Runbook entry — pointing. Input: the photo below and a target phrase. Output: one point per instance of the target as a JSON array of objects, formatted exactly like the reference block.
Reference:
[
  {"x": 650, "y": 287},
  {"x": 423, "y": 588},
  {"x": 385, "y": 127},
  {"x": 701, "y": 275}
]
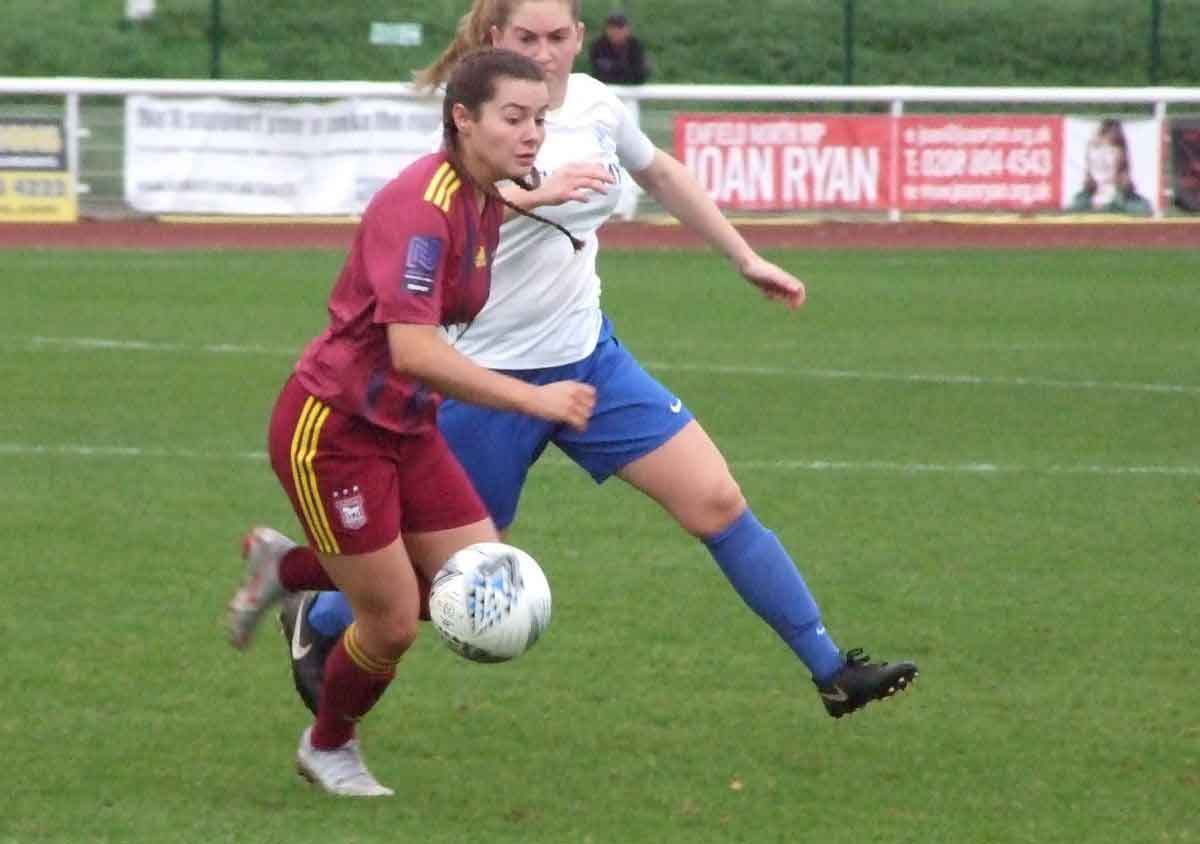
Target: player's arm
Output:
[
  {"x": 571, "y": 182},
  {"x": 669, "y": 182},
  {"x": 407, "y": 247},
  {"x": 567, "y": 183},
  {"x": 419, "y": 351}
]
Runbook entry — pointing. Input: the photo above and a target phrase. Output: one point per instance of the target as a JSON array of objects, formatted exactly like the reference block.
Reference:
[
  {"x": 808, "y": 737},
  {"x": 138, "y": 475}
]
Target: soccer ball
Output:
[{"x": 490, "y": 602}]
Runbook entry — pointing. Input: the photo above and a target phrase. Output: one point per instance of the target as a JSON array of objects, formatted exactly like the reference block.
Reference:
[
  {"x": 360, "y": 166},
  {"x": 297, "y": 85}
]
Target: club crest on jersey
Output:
[
  {"x": 351, "y": 508},
  {"x": 480, "y": 258},
  {"x": 608, "y": 146},
  {"x": 421, "y": 263}
]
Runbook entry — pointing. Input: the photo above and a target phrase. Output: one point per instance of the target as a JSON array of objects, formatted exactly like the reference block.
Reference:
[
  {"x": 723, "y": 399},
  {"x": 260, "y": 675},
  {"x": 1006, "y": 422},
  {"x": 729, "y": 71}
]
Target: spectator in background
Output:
[
  {"x": 1108, "y": 183},
  {"x": 618, "y": 57}
]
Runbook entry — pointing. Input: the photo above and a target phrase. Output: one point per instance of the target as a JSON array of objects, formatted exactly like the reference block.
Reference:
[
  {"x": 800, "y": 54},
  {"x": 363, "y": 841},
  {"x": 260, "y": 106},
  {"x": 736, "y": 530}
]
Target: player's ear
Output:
[
  {"x": 493, "y": 35},
  {"x": 580, "y": 32},
  {"x": 462, "y": 117}
]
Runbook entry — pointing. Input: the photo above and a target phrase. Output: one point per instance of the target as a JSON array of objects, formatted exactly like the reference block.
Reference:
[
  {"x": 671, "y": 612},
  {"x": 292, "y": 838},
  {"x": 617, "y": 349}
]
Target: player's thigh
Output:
[
  {"x": 429, "y": 551},
  {"x": 383, "y": 591},
  {"x": 440, "y": 510},
  {"x": 689, "y": 477},
  {"x": 496, "y": 449}
]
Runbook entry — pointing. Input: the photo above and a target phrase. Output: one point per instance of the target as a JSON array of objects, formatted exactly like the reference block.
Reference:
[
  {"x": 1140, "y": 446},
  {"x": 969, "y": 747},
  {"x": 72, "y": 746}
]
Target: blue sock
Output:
[
  {"x": 758, "y": 567},
  {"x": 330, "y": 614}
]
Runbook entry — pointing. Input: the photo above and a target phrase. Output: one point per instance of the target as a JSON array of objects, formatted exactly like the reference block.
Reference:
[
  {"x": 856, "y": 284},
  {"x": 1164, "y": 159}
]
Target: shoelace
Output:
[
  {"x": 855, "y": 656},
  {"x": 345, "y": 765}
]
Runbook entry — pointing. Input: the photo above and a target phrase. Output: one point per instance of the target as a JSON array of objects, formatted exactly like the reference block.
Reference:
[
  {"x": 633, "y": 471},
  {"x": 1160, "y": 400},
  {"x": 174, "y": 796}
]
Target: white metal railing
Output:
[
  {"x": 699, "y": 93},
  {"x": 895, "y": 97},
  {"x": 913, "y": 93}
]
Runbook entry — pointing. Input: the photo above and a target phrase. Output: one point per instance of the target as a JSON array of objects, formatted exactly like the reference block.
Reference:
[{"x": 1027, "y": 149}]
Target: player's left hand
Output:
[
  {"x": 574, "y": 182},
  {"x": 776, "y": 283}
]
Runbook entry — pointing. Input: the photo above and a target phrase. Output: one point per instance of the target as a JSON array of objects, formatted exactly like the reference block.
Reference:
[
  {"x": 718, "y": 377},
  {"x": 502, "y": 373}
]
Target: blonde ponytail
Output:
[{"x": 474, "y": 31}]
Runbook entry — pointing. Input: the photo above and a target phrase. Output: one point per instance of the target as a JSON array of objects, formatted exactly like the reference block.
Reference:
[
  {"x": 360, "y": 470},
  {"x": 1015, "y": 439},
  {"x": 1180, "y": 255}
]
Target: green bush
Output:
[{"x": 921, "y": 42}]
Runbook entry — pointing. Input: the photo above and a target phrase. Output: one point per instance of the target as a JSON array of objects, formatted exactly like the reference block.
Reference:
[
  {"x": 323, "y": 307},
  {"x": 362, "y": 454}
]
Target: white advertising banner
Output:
[
  {"x": 1112, "y": 165},
  {"x": 216, "y": 156}
]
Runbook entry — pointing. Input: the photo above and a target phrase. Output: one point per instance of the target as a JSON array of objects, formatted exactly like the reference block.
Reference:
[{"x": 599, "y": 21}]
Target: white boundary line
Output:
[
  {"x": 833, "y": 466},
  {"x": 93, "y": 343},
  {"x": 929, "y": 378},
  {"x": 79, "y": 450},
  {"x": 960, "y": 468}
]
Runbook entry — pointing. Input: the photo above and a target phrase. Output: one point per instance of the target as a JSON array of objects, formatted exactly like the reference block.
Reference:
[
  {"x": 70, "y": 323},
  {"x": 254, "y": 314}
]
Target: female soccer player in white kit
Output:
[{"x": 543, "y": 323}]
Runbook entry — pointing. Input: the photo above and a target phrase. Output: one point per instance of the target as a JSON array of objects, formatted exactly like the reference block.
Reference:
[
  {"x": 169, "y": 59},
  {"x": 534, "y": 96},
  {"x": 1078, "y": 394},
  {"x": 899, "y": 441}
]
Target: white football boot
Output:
[
  {"x": 262, "y": 549},
  {"x": 340, "y": 771}
]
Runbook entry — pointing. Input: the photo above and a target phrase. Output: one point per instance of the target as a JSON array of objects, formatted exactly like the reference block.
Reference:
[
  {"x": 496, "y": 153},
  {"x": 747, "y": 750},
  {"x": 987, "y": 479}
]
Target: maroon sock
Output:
[
  {"x": 300, "y": 569},
  {"x": 353, "y": 683}
]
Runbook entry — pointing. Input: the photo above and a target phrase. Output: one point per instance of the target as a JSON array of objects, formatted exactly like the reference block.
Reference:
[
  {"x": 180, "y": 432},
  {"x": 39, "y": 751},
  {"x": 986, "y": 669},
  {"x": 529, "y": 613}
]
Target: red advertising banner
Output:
[
  {"x": 778, "y": 162},
  {"x": 986, "y": 162}
]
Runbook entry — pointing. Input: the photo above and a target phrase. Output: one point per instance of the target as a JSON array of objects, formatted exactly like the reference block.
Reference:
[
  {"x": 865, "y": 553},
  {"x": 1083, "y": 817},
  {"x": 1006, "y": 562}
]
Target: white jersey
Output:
[{"x": 544, "y": 305}]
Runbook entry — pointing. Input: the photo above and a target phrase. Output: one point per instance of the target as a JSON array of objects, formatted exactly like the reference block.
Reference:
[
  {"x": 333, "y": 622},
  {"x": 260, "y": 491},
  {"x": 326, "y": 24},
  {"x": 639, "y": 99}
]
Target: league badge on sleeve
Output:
[{"x": 421, "y": 263}]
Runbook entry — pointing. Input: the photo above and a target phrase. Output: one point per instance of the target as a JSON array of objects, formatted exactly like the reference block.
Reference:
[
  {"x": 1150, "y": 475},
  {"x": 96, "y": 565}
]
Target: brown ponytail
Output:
[{"x": 472, "y": 83}]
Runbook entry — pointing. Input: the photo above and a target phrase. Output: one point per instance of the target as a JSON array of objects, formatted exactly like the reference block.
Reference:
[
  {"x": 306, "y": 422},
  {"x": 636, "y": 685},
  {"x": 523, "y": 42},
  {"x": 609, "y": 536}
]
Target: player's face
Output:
[
  {"x": 544, "y": 31},
  {"x": 505, "y": 136}
]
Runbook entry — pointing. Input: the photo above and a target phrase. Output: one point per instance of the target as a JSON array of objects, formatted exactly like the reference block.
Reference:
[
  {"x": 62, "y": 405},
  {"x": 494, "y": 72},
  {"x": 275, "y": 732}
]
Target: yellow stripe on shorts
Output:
[{"x": 304, "y": 449}]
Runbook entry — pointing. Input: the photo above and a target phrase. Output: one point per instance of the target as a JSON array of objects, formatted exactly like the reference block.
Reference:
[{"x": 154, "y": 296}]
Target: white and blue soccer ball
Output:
[{"x": 490, "y": 602}]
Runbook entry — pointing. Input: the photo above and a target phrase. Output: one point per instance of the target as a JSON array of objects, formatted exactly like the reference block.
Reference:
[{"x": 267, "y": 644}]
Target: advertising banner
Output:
[
  {"x": 778, "y": 162},
  {"x": 980, "y": 162},
  {"x": 35, "y": 183},
  {"x": 1111, "y": 165},
  {"x": 1185, "y": 162},
  {"x": 209, "y": 155}
]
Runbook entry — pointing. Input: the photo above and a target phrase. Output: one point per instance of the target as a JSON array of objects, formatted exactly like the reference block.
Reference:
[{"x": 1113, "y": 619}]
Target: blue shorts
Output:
[{"x": 634, "y": 415}]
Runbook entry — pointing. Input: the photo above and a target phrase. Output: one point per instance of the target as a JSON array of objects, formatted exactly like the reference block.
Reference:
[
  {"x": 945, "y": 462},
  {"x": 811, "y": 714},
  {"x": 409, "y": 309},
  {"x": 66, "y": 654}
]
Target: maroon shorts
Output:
[{"x": 355, "y": 486}]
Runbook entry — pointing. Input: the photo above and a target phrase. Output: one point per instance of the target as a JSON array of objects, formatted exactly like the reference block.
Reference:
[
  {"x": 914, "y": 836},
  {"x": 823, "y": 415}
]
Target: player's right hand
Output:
[
  {"x": 574, "y": 182},
  {"x": 569, "y": 402}
]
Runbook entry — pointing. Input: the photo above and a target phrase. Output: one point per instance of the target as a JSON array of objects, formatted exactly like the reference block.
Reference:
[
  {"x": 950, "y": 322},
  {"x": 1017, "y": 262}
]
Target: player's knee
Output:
[
  {"x": 719, "y": 503},
  {"x": 389, "y": 635},
  {"x": 401, "y": 635}
]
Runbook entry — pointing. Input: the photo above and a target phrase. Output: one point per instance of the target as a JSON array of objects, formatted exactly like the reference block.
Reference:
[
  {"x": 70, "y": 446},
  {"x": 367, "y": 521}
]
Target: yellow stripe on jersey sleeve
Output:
[
  {"x": 439, "y": 198},
  {"x": 451, "y": 189},
  {"x": 437, "y": 182}
]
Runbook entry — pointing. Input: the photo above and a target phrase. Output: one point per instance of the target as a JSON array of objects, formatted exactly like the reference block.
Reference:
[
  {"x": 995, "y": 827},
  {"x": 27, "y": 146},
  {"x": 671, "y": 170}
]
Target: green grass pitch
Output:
[{"x": 986, "y": 461}]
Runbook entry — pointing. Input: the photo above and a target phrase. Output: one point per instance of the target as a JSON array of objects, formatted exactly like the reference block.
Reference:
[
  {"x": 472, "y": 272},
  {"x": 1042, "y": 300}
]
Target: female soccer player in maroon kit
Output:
[{"x": 353, "y": 437}]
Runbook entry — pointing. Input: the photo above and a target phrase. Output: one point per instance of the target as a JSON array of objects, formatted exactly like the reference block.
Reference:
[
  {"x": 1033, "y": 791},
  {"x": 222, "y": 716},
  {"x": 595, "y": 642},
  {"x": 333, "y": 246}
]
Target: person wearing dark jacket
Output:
[{"x": 618, "y": 57}]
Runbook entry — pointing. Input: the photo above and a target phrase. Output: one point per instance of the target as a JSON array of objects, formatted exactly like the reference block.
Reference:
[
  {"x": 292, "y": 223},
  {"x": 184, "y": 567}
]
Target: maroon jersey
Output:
[{"x": 422, "y": 255}]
